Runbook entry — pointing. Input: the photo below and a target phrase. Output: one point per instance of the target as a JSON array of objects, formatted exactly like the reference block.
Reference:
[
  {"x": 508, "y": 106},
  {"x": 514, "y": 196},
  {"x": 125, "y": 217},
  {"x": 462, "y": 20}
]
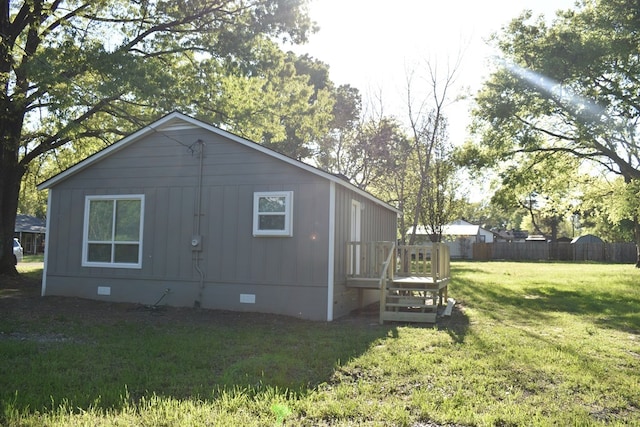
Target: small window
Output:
[
  {"x": 113, "y": 231},
  {"x": 272, "y": 213}
]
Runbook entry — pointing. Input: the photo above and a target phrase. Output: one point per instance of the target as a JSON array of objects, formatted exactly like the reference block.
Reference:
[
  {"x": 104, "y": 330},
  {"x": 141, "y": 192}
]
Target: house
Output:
[
  {"x": 459, "y": 235},
  {"x": 501, "y": 235},
  {"x": 31, "y": 232},
  {"x": 188, "y": 214}
]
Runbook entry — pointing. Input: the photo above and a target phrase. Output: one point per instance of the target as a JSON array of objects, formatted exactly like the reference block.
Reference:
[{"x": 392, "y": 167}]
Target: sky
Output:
[{"x": 373, "y": 45}]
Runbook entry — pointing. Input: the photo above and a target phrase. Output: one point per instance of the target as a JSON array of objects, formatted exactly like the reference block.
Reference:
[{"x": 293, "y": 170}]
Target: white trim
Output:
[
  {"x": 288, "y": 214},
  {"x": 47, "y": 239},
  {"x": 355, "y": 233},
  {"x": 170, "y": 122},
  {"x": 187, "y": 126},
  {"x": 332, "y": 251},
  {"x": 85, "y": 233}
]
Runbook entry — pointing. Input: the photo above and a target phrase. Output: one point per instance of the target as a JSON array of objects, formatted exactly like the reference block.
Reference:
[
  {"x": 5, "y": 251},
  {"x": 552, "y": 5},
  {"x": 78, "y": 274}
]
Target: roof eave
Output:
[{"x": 153, "y": 127}]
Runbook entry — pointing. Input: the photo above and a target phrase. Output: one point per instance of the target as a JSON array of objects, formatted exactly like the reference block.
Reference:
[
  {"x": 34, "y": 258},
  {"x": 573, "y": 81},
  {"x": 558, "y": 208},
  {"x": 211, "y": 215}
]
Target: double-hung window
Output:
[
  {"x": 272, "y": 213},
  {"x": 113, "y": 231}
]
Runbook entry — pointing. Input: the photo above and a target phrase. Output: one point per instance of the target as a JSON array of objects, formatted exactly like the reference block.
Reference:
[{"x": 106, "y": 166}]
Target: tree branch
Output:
[{"x": 59, "y": 138}]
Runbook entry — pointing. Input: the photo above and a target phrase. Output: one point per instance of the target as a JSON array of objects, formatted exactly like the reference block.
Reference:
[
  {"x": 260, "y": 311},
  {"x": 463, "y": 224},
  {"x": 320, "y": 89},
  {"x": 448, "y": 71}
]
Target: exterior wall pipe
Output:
[
  {"x": 198, "y": 215},
  {"x": 331, "y": 255}
]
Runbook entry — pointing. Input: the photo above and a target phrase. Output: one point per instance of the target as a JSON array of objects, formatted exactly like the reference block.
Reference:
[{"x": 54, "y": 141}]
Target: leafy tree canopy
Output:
[{"x": 568, "y": 88}]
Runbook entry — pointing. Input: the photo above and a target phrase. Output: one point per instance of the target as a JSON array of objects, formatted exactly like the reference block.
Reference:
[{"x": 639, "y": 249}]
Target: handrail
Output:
[
  {"x": 383, "y": 280},
  {"x": 366, "y": 259},
  {"x": 385, "y": 264}
]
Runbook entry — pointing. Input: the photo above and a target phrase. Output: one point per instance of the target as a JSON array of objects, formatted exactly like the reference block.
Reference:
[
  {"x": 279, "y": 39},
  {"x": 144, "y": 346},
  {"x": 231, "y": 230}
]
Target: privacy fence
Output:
[{"x": 555, "y": 251}]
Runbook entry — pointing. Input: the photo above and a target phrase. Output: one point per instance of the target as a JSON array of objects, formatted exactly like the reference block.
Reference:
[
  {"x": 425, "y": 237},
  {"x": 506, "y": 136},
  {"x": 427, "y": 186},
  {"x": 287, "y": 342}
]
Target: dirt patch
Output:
[{"x": 20, "y": 300}]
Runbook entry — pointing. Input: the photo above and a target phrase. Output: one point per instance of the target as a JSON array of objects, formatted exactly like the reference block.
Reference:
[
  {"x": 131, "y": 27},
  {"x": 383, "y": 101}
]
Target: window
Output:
[
  {"x": 113, "y": 231},
  {"x": 272, "y": 213}
]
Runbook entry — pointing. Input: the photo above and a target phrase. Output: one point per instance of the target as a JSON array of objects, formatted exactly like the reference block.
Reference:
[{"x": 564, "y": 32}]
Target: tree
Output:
[
  {"x": 77, "y": 71},
  {"x": 277, "y": 103},
  {"x": 490, "y": 215},
  {"x": 570, "y": 87},
  {"x": 365, "y": 150},
  {"x": 548, "y": 199},
  {"x": 333, "y": 149},
  {"x": 440, "y": 201},
  {"x": 282, "y": 101},
  {"x": 429, "y": 137},
  {"x": 605, "y": 209},
  {"x": 410, "y": 169}
]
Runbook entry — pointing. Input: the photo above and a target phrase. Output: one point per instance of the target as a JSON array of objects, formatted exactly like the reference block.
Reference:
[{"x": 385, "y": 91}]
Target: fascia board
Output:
[{"x": 165, "y": 123}]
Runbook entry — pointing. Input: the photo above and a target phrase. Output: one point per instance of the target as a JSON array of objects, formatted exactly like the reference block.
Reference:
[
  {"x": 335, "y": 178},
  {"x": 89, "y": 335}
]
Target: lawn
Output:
[
  {"x": 528, "y": 344},
  {"x": 29, "y": 259}
]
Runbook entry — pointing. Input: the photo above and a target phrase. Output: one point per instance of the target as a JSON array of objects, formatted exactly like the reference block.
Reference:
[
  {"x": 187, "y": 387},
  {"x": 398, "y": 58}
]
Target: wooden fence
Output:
[{"x": 556, "y": 251}]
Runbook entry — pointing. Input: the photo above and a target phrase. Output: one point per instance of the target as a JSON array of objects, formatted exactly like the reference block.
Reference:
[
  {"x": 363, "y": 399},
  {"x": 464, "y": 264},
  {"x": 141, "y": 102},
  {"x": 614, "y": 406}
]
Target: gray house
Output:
[
  {"x": 31, "y": 232},
  {"x": 186, "y": 213}
]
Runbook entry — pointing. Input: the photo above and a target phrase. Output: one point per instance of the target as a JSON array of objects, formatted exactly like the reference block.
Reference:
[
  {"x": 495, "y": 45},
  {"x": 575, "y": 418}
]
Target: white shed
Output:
[{"x": 459, "y": 235}]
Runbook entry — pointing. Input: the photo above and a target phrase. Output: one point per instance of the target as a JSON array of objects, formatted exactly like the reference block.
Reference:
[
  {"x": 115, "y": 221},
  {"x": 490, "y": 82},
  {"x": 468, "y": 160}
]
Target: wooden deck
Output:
[{"x": 413, "y": 280}]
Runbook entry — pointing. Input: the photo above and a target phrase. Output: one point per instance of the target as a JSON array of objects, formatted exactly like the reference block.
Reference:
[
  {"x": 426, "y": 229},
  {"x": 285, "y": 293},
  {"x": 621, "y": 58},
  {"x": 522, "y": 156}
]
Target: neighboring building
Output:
[
  {"x": 509, "y": 235},
  {"x": 460, "y": 235},
  {"x": 31, "y": 233},
  {"x": 586, "y": 239},
  {"x": 186, "y": 213},
  {"x": 588, "y": 248}
]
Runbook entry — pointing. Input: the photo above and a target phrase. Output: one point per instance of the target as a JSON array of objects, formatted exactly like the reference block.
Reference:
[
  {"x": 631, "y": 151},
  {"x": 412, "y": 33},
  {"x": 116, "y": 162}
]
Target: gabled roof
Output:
[
  {"x": 29, "y": 224},
  {"x": 176, "y": 120}
]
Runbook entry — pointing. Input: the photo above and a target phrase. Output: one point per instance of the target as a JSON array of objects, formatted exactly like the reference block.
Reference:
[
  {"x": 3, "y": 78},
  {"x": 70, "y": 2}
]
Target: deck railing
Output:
[
  {"x": 366, "y": 259},
  {"x": 431, "y": 260},
  {"x": 386, "y": 277},
  {"x": 410, "y": 277}
]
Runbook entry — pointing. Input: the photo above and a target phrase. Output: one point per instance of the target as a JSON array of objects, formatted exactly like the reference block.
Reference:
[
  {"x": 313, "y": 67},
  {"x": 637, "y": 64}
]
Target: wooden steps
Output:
[
  {"x": 412, "y": 299},
  {"x": 412, "y": 279},
  {"x": 407, "y": 298},
  {"x": 363, "y": 282}
]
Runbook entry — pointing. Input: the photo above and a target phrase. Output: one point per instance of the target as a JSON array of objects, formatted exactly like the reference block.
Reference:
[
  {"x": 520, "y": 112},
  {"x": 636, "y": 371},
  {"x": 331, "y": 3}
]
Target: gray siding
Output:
[
  {"x": 287, "y": 275},
  {"x": 378, "y": 224}
]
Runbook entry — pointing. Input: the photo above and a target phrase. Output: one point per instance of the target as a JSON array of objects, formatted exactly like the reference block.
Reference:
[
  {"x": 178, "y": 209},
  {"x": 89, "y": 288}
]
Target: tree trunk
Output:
[
  {"x": 11, "y": 172},
  {"x": 10, "y": 177}
]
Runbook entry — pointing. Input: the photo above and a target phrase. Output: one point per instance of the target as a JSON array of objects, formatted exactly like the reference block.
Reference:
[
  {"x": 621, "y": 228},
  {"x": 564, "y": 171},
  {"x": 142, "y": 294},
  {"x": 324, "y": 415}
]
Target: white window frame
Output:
[
  {"x": 288, "y": 214},
  {"x": 85, "y": 236}
]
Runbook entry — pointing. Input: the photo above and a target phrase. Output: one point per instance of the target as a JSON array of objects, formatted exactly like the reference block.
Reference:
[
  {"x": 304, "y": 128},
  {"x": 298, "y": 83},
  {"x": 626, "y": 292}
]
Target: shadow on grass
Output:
[
  {"x": 456, "y": 325},
  {"x": 96, "y": 354},
  {"x": 605, "y": 308}
]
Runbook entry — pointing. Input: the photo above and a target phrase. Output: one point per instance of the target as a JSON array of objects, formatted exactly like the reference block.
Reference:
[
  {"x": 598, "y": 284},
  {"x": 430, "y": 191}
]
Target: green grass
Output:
[
  {"x": 31, "y": 270},
  {"x": 26, "y": 259},
  {"x": 535, "y": 344}
]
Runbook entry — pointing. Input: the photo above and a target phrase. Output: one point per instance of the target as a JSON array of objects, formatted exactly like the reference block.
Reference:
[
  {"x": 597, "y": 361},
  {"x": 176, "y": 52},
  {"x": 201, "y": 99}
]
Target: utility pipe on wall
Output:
[{"x": 196, "y": 240}]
